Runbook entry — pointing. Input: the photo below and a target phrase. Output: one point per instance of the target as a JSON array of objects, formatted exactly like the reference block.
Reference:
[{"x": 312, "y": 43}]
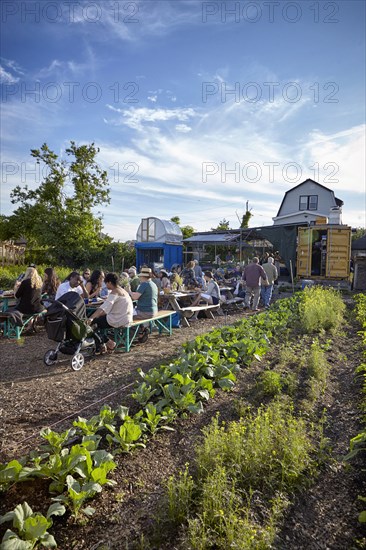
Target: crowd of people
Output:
[{"x": 132, "y": 295}]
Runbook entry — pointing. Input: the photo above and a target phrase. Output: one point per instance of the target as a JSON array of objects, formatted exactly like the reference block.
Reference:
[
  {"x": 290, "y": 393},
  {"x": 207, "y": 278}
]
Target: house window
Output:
[
  {"x": 308, "y": 202},
  {"x": 313, "y": 202}
]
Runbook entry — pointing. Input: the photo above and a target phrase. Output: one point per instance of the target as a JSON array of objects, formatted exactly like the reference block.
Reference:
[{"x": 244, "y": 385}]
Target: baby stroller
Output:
[{"x": 65, "y": 323}]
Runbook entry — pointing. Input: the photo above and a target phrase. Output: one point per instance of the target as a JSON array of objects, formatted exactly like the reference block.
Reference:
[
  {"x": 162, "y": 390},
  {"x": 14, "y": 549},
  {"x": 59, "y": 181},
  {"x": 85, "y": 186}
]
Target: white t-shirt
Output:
[{"x": 65, "y": 287}]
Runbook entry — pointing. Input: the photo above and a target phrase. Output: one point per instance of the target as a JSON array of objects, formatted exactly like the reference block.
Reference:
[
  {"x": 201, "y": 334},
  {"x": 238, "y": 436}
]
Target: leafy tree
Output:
[
  {"x": 223, "y": 226},
  {"x": 49, "y": 216},
  {"x": 246, "y": 219},
  {"x": 360, "y": 232},
  {"x": 187, "y": 230}
]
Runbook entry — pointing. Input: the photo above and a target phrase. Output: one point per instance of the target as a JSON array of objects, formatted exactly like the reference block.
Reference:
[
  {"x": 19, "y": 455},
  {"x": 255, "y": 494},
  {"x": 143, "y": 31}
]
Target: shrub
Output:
[
  {"x": 321, "y": 309},
  {"x": 270, "y": 383}
]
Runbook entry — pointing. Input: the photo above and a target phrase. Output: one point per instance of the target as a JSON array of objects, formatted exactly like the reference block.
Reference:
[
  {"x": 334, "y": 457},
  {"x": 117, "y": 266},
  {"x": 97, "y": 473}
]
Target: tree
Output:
[
  {"x": 223, "y": 226},
  {"x": 360, "y": 232},
  {"x": 246, "y": 217},
  {"x": 187, "y": 230},
  {"x": 50, "y": 217}
]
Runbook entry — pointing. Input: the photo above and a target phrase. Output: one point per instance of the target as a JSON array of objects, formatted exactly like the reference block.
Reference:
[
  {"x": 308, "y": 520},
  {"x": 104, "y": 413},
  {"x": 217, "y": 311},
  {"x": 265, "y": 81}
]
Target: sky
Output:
[{"x": 199, "y": 109}]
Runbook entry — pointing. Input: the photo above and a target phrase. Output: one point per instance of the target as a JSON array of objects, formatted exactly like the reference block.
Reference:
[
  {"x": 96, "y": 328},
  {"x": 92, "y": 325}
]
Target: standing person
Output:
[
  {"x": 95, "y": 283},
  {"x": 50, "y": 285},
  {"x": 267, "y": 289},
  {"x": 146, "y": 295},
  {"x": 116, "y": 311},
  {"x": 277, "y": 263},
  {"x": 253, "y": 273},
  {"x": 29, "y": 293},
  {"x": 74, "y": 283}
]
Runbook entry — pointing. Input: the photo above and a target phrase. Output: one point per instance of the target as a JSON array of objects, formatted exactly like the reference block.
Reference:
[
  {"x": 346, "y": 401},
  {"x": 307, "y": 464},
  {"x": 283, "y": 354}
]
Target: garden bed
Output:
[{"x": 323, "y": 516}]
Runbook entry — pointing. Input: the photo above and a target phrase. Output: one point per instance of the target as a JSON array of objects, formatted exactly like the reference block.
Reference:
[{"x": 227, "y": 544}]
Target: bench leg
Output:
[{"x": 209, "y": 314}]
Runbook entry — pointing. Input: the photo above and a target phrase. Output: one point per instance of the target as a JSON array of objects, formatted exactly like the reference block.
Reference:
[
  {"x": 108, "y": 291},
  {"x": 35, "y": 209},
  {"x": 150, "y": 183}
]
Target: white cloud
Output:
[
  {"x": 152, "y": 98},
  {"x": 137, "y": 118},
  {"x": 7, "y": 78},
  {"x": 183, "y": 128}
]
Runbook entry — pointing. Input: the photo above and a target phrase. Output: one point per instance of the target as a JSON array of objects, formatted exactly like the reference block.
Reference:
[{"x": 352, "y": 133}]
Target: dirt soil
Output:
[{"x": 33, "y": 396}]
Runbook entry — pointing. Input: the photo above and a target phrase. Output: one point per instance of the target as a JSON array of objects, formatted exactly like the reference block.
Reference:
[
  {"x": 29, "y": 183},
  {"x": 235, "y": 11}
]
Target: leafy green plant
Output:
[
  {"x": 155, "y": 421},
  {"x": 32, "y": 527},
  {"x": 14, "y": 471},
  {"x": 96, "y": 466},
  {"x": 127, "y": 436},
  {"x": 56, "y": 441},
  {"x": 77, "y": 494}
]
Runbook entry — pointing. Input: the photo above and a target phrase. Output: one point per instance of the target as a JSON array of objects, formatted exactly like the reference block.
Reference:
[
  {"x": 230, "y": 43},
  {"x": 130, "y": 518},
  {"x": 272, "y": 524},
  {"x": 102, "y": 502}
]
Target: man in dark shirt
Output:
[{"x": 252, "y": 276}]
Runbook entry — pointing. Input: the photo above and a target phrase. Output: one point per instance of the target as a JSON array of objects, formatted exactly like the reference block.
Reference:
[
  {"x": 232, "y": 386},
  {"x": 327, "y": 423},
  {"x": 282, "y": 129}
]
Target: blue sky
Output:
[{"x": 197, "y": 107}]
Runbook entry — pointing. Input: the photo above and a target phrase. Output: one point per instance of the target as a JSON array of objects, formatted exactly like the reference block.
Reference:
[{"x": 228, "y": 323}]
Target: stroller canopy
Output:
[{"x": 72, "y": 301}]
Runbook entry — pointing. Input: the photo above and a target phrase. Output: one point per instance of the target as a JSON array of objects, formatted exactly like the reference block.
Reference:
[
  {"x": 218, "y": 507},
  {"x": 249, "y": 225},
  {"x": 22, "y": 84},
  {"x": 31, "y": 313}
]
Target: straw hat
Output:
[{"x": 145, "y": 272}]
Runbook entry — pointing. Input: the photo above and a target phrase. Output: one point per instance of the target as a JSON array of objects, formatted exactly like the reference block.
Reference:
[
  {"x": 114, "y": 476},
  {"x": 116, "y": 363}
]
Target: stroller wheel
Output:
[
  {"x": 50, "y": 357},
  {"x": 77, "y": 362}
]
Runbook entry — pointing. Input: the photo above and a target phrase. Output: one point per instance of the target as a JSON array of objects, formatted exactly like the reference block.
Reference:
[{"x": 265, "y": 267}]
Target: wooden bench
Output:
[
  {"x": 125, "y": 337},
  {"x": 189, "y": 311}
]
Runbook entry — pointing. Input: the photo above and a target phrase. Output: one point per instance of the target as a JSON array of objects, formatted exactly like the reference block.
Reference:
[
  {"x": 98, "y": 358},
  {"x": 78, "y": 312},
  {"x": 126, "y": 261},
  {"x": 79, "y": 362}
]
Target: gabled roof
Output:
[{"x": 339, "y": 202}]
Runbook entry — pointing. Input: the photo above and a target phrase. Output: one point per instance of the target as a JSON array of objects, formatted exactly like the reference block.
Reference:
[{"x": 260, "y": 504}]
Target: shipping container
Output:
[{"x": 324, "y": 251}]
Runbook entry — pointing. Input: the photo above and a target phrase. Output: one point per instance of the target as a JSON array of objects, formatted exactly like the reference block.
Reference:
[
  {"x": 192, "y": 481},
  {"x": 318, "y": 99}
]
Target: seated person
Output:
[
  {"x": 134, "y": 280},
  {"x": 50, "y": 285},
  {"x": 86, "y": 275},
  {"x": 20, "y": 278},
  {"x": 198, "y": 273},
  {"x": 146, "y": 295},
  {"x": 124, "y": 281},
  {"x": 155, "y": 278},
  {"x": 116, "y": 311},
  {"x": 175, "y": 282},
  {"x": 29, "y": 293},
  {"x": 95, "y": 284},
  {"x": 219, "y": 275},
  {"x": 74, "y": 283},
  {"x": 164, "y": 279},
  {"x": 188, "y": 276},
  {"x": 212, "y": 294}
]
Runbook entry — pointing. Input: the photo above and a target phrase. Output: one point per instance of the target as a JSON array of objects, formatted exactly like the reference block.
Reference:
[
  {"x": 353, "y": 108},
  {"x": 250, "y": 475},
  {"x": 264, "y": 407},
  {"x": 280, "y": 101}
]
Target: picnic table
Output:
[{"x": 5, "y": 298}]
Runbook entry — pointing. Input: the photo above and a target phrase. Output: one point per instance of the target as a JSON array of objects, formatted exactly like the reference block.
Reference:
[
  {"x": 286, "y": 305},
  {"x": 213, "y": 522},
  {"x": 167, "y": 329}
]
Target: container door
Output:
[
  {"x": 304, "y": 252},
  {"x": 338, "y": 253}
]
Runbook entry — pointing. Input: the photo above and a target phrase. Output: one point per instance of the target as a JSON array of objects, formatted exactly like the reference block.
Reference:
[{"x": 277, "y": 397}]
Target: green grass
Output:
[{"x": 9, "y": 274}]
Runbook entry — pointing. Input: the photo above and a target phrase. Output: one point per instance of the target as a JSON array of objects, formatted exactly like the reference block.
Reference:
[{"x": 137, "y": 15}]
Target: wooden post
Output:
[{"x": 292, "y": 277}]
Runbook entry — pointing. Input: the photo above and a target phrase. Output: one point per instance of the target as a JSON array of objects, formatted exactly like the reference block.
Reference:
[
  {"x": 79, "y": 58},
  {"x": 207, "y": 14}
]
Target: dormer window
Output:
[{"x": 308, "y": 202}]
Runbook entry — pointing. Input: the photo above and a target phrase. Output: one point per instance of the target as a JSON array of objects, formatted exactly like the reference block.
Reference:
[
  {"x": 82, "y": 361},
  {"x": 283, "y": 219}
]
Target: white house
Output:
[{"x": 307, "y": 202}]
